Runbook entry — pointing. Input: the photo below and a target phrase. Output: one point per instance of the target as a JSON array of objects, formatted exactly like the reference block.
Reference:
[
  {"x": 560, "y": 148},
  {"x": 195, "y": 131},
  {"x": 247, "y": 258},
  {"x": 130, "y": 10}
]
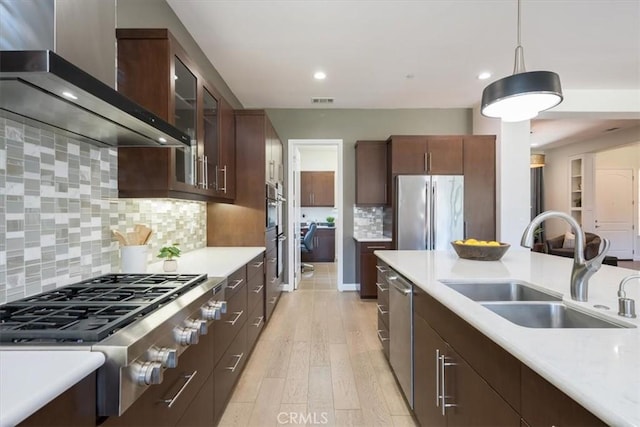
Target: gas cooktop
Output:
[{"x": 90, "y": 310}]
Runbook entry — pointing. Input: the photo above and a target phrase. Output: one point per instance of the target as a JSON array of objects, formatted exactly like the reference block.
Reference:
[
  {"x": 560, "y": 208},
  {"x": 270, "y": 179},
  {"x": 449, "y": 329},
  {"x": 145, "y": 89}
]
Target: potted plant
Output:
[
  {"x": 169, "y": 252},
  {"x": 331, "y": 221}
]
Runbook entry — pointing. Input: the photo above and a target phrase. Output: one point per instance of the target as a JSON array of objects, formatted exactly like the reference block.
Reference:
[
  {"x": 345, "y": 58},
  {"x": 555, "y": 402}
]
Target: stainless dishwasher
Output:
[{"x": 401, "y": 331}]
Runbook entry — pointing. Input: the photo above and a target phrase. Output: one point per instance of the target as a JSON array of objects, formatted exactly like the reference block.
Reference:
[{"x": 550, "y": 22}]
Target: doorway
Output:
[{"x": 296, "y": 151}]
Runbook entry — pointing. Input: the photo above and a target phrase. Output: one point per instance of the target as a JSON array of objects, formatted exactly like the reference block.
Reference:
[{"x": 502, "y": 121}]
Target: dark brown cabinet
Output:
[
  {"x": 324, "y": 246},
  {"x": 317, "y": 188},
  {"x": 382, "y": 306},
  {"x": 74, "y": 407},
  {"x": 274, "y": 165},
  {"x": 434, "y": 155},
  {"x": 371, "y": 173},
  {"x": 366, "y": 272},
  {"x": 480, "y": 187},
  {"x": 156, "y": 72},
  {"x": 245, "y": 222}
]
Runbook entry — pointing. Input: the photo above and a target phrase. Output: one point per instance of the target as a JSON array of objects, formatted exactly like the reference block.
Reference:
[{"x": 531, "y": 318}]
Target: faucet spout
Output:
[{"x": 582, "y": 269}]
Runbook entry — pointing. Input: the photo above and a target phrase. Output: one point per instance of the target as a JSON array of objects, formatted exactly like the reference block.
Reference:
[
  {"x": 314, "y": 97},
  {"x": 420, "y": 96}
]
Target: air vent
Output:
[{"x": 322, "y": 100}]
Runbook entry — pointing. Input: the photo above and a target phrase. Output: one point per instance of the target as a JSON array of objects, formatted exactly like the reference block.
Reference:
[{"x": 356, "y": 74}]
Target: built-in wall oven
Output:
[{"x": 272, "y": 206}]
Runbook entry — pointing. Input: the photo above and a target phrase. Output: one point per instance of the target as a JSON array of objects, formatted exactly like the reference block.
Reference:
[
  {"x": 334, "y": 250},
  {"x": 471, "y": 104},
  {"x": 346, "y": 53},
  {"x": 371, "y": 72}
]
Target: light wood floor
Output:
[
  {"x": 318, "y": 362},
  {"x": 634, "y": 265}
]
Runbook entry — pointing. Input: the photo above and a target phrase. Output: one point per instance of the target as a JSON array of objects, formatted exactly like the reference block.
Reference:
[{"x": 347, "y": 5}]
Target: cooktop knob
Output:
[
  {"x": 220, "y": 305},
  {"x": 210, "y": 312},
  {"x": 168, "y": 357},
  {"x": 199, "y": 325},
  {"x": 186, "y": 336},
  {"x": 148, "y": 373}
]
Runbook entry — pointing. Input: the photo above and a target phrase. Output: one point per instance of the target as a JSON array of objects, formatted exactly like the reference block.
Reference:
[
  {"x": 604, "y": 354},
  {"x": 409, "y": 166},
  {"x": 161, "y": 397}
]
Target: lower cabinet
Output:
[
  {"x": 272, "y": 283},
  {"x": 463, "y": 378},
  {"x": 200, "y": 413},
  {"x": 382, "y": 306},
  {"x": 366, "y": 272},
  {"x": 74, "y": 407},
  {"x": 228, "y": 370},
  {"x": 324, "y": 246}
]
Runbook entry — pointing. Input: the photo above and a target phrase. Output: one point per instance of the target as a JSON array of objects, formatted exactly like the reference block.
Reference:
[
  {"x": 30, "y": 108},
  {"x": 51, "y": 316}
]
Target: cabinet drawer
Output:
[
  {"x": 383, "y": 336},
  {"x": 255, "y": 267},
  {"x": 255, "y": 324},
  {"x": 228, "y": 370},
  {"x": 255, "y": 291},
  {"x": 235, "y": 281},
  {"x": 200, "y": 411},
  {"x": 383, "y": 311},
  {"x": 231, "y": 322},
  {"x": 178, "y": 388}
]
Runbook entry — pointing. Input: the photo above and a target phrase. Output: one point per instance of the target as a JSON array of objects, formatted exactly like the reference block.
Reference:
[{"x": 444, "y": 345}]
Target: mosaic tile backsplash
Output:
[
  {"x": 58, "y": 204},
  {"x": 369, "y": 221}
]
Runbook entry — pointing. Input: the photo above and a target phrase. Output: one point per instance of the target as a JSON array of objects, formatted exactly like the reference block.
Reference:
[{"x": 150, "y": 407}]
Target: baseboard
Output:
[{"x": 349, "y": 287}]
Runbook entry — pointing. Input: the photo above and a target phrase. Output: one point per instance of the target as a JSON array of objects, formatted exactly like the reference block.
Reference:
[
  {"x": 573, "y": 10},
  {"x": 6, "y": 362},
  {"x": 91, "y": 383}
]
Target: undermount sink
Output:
[
  {"x": 550, "y": 315},
  {"x": 502, "y": 291}
]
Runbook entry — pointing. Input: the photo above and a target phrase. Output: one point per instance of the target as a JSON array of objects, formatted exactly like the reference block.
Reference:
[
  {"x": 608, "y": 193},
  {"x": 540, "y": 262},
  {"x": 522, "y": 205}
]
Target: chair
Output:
[
  {"x": 306, "y": 245},
  {"x": 592, "y": 246}
]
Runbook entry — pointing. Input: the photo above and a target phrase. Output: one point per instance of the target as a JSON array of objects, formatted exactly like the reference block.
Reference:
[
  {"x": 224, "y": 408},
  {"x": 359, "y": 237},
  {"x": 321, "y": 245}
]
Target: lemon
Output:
[
  {"x": 459, "y": 242},
  {"x": 493, "y": 243},
  {"x": 471, "y": 242}
]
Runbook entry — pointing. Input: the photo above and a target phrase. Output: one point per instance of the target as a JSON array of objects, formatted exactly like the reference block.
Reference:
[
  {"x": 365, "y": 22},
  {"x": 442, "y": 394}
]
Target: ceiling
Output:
[{"x": 414, "y": 53}]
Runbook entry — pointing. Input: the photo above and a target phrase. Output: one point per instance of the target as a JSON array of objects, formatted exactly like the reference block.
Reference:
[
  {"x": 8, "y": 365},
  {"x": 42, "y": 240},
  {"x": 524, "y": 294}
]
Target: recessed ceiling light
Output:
[
  {"x": 484, "y": 75},
  {"x": 162, "y": 140},
  {"x": 319, "y": 75},
  {"x": 69, "y": 95},
  {"x": 534, "y": 144},
  {"x": 410, "y": 76}
]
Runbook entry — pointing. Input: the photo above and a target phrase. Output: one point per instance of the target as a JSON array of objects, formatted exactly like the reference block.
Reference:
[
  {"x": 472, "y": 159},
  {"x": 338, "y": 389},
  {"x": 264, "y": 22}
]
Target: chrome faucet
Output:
[
  {"x": 626, "y": 306},
  {"x": 582, "y": 269}
]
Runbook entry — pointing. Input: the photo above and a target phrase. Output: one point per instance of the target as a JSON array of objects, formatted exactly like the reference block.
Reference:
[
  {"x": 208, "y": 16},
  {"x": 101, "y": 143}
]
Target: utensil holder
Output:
[{"x": 133, "y": 259}]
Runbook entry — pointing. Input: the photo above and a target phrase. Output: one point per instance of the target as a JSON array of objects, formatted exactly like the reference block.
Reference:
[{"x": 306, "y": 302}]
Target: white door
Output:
[
  {"x": 296, "y": 218},
  {"x": 614, "y": 210}
]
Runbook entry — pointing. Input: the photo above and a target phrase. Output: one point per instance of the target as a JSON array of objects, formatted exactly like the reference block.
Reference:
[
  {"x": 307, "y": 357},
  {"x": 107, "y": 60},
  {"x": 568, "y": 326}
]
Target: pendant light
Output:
[
  {"x": 522, "y": 95},
  {"x": 537, "y": 161}
]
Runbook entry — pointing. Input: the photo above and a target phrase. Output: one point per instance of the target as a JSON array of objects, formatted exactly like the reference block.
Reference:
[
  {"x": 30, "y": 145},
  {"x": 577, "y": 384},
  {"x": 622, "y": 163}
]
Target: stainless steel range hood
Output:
[{"x": 43, "y": 89}]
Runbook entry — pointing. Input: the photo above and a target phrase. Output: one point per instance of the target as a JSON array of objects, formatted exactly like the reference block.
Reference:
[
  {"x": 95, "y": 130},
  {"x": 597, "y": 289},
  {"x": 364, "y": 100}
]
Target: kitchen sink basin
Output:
[
  {"x": 550, "y": 315},
  {"x": 502, "y": 291}
]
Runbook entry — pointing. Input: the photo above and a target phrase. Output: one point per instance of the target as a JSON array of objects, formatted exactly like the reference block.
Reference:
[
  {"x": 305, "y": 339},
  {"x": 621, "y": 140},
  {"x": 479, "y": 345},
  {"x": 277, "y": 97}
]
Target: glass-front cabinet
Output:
[
  {"x": 155, "y": 71},
  {"x": 185, "y": 111}
]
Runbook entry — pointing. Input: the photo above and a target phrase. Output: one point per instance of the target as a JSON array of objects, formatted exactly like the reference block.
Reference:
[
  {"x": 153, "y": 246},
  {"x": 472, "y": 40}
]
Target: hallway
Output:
[{"x": 318, "y": 362}]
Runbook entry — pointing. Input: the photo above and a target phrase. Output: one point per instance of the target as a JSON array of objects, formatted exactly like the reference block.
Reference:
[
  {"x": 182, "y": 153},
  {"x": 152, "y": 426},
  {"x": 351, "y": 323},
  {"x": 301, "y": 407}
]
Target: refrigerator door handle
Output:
[
  {"x": 428, "y": 231},
  {"x": 434, "y": 222}
]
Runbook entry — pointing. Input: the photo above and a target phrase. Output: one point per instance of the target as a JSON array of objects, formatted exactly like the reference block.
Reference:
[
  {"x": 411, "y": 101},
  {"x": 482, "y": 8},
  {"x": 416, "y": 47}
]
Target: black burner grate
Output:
[{"x": 90, "y": 310}]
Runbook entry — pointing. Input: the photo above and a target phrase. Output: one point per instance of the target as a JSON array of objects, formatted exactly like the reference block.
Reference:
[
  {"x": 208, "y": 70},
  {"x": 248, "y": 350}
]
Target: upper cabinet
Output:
[
  {"x": 371, "y": 173},
  {"x": 480, "y": 187},
  {"x": 156, "y": 72},
  {"x": 434, "y": 155},
  {"x": 274, "y": 166},
  {"x": 317, "y": 188}
]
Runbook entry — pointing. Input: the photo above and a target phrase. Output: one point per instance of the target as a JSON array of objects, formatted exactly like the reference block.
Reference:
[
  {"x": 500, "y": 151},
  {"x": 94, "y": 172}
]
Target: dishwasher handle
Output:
[{"x": 400, "y": 285}]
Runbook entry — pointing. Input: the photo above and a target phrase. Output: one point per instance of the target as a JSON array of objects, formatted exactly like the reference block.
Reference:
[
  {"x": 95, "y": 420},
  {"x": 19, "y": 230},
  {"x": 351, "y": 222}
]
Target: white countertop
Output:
[
  {"x": 31, "y": 379},
  {"x": 598, "y": 368},
  {"x": 370, "y": 238},
  {"x": 216, "y": 261}
]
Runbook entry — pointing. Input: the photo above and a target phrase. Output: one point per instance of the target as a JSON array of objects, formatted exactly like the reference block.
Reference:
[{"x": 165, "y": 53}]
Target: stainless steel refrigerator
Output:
[{"x": 429, "y": 211}]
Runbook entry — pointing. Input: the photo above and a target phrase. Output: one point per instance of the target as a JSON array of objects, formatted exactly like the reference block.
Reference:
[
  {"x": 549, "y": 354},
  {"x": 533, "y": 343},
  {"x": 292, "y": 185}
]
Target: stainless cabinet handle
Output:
[
  {"x": 238, "y": 315},
  {"x": 194, "y": 176},
  {"x": 206, "y": 172},
  {"x": 381, "y": 269},
  {"x": 437, "y": 377},
  {"x": 237, "y": 283},
  {"x": 377, "y": 247},
  {"x": 443, "y": 395},
  {"x": 215, "y": 184},
  {"x": 258, "y": 289},
  {"x": 258, "y": 264},
  {"x": 426, "y": 162},
  {"x": 282, "y": 238},
  {"x": 273, "y": 300},
  {"x": 259, "y": 322},
  {"x": 403, "y": 291},
  {"x": 381, "y": 310},
  {"x": 273, "y": 280},
  {"x": 381, "y": 288},
  {"x": 224, "y": 185},
  {"x": 273, "y": 260},
  {"x": 235, "y": 365},
  {"x": 430, "y": 157},
  {"x": 188, "y": 379},
  {"x": 380, "y": 337}
]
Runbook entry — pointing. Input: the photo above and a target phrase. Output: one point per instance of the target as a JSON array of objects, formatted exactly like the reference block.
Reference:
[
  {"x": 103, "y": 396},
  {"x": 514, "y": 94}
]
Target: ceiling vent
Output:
[{"x": 320, "y": 100}]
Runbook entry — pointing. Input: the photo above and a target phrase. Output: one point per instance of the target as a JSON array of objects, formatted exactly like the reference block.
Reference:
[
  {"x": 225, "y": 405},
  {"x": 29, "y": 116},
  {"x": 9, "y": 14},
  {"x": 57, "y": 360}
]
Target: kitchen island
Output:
[{"x": 598, "y": 368}]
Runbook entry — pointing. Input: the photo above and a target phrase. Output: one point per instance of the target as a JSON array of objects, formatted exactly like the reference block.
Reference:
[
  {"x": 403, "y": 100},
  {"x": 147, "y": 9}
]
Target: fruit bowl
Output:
[{"x": 481, "y": 252}]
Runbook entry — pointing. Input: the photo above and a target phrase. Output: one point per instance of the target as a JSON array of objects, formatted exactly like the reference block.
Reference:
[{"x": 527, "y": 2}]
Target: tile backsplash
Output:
[
  {"x": 58, "y": 204},
  {"x": 369, "y": 221}
]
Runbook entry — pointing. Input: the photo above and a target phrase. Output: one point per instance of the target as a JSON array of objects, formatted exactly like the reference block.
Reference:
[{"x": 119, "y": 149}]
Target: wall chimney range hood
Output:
[{"x": 43, "y": 89}]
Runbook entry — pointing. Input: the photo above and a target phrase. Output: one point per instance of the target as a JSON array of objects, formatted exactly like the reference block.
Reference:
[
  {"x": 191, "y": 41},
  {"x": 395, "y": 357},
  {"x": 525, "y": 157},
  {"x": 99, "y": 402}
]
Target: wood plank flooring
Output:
[{"x": 318, "y": 362}]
